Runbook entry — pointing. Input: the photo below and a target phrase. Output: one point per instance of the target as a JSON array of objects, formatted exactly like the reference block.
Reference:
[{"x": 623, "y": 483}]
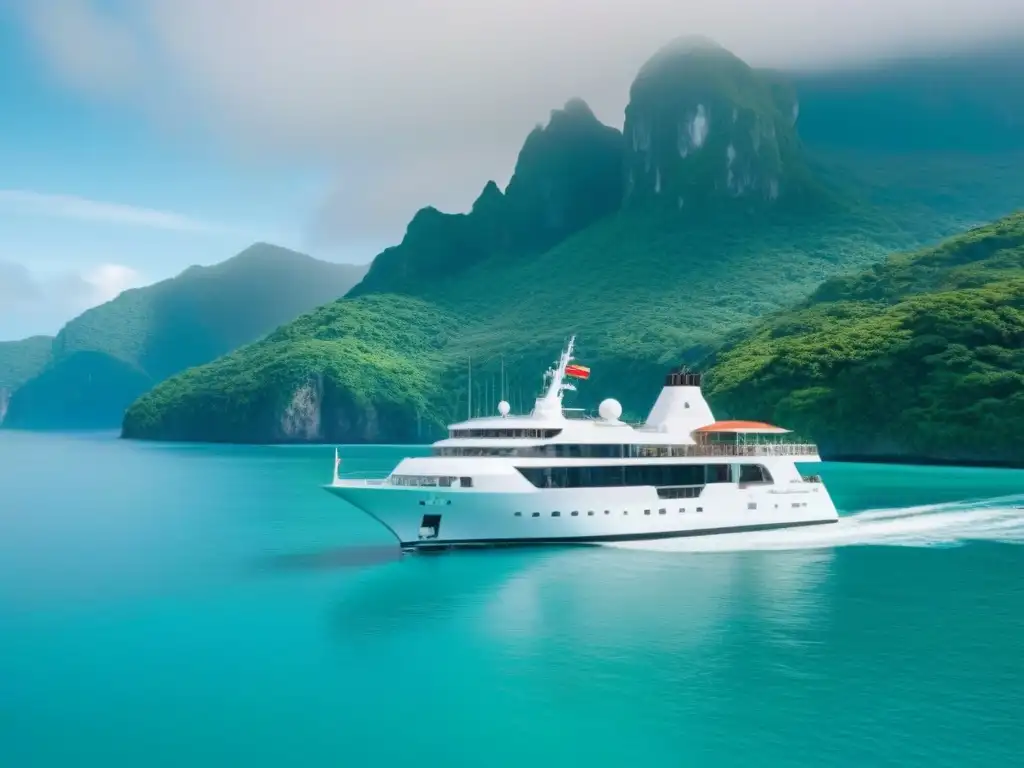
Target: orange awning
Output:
[{"x": 742, "y": 427}]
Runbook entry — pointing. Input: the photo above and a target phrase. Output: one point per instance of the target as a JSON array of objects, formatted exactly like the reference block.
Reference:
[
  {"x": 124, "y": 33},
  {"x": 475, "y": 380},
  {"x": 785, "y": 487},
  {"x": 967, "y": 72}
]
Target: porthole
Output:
[
  {"x": 556, "y": 514},
  {"x": 647, "y": 511},
  {"x": 662, "y": 511},
  {"x": 700, "y": 509},
  {"x": 536, "y": 514},
  {"x": 519, "y": 514},
  {"x": 590, "y": 513},
  {"x": 575, "y": 514},
  {"x": 751, "y": 505}
]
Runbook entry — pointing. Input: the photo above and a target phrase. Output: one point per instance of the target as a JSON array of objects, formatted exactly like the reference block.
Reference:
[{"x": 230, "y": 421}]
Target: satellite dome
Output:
[
  {"x": 610, "y": 409},
  {"x": 504, "y": 408}
]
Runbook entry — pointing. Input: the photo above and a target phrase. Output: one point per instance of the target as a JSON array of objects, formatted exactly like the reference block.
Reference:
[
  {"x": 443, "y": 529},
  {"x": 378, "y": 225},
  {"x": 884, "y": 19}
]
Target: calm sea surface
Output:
[{"x": 203, "y": 606}]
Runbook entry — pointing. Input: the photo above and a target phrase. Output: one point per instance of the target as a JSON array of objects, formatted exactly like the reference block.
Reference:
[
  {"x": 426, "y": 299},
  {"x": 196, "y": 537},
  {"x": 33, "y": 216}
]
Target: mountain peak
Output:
[
  {"x": 701, "y": 124},
  {"x": 686, "y": 46},
  {"x": 568, "y": 175}
]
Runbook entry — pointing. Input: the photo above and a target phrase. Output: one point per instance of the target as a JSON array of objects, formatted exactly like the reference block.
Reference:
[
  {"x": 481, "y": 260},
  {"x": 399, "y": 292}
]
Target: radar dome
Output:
[
  {"x": 610, "y": 409},
  {"x": 504, "y": 408}
]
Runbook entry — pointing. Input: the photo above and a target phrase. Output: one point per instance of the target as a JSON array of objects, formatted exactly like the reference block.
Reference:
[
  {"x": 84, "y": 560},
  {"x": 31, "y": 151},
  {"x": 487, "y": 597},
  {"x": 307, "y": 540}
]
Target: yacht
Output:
[{"x": 559, "y": 477}]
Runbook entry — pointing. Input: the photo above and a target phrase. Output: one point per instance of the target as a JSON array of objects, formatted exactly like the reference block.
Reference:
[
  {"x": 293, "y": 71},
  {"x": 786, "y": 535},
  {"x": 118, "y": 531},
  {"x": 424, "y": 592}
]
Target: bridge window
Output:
[{"x": 754, "y": 473}]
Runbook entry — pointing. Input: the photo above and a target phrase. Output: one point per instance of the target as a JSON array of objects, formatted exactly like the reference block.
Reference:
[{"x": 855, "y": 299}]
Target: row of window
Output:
[
  {"x": 591, "y": 513},
  {"x": 659, "y": 475},
  {"x": 536, "y": 434},
  {"x": 663, "y": 511},
  {"x": 431, "y": 481}
]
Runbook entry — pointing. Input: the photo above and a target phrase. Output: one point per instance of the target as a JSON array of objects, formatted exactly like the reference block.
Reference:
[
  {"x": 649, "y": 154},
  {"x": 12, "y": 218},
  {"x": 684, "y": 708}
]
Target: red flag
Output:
[{"x": 577, "y": 371}]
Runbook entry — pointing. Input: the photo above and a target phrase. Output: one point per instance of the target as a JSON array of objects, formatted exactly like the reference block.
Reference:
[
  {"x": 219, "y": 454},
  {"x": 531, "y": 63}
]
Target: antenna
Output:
[
  {"x": 502, "y": 377},
  {"x": 469, "y": 390}
]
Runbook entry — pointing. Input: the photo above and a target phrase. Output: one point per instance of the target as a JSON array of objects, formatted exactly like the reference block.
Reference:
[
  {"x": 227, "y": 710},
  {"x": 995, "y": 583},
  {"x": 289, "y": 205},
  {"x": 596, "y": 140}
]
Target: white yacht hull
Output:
[{"x": 422, "y": 518}]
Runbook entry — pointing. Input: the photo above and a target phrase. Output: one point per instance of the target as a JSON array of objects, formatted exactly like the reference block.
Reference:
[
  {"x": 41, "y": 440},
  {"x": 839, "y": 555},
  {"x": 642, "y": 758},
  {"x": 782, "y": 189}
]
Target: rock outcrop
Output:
[{"x": 703, "y": 126}]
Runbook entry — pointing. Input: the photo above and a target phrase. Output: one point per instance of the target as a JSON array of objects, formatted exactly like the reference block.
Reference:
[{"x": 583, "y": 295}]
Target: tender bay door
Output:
[{"x": 430, "y": 527}]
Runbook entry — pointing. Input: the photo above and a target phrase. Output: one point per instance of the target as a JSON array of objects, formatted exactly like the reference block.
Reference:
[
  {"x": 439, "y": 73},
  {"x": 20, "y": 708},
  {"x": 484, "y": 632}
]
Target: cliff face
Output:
[
  {"x": 702, "y": 126},
  {"x": 318, "y": 411},
  {"x": 360, "y": 370}
]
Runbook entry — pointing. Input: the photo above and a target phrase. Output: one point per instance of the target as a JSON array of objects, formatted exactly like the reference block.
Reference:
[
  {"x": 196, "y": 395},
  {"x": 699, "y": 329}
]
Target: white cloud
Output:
[
  {"x": 17, "y": 288},
  {"x": 402, "y": 95},
  {"x": 87, "y": 47},
  {"x": 71, "y": 207},
  {"x": 108, "y": 281},
  {"x": 32, "y": 302}
]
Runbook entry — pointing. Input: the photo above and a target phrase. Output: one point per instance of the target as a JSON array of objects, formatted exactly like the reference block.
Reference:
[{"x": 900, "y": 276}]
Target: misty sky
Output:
[{"x": 141, "y": 136}]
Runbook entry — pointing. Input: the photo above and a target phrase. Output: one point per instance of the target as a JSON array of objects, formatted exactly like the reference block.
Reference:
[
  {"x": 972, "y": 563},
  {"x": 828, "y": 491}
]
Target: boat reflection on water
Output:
[
  {"x": 595, "y": 595},
  {"x": 675, "y": 600}
]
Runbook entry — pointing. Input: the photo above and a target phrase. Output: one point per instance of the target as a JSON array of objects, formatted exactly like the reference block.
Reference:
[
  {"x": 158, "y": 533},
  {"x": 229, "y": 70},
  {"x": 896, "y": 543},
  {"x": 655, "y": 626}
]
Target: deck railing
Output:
[
  {"x": 633, "y": 451},
  {"x": 364, "y": 478},
  {"x": 755, "y": 449}
]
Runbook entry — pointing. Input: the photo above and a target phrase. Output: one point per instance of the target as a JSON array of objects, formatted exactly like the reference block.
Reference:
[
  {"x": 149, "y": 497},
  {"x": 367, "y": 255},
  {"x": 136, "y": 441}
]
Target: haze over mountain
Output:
[
  {"x": 104, "y": 359},
  {"x": 344, "y": 84},
  {"x": 723, "y": 215}
]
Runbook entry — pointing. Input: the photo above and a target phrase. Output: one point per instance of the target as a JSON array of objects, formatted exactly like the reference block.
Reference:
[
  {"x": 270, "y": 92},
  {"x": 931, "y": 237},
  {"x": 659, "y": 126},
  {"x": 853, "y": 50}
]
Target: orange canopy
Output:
[{"x": 742, "y": 426}]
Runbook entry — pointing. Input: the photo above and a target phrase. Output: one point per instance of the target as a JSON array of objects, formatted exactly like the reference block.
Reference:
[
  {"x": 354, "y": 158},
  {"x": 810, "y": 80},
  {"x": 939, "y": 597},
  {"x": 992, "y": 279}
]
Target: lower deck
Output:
[{"x": 430, "y": 518}]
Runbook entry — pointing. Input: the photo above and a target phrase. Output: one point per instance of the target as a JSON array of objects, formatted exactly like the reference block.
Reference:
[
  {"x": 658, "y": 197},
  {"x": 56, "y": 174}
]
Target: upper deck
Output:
[{"x": 679, "y": 425}]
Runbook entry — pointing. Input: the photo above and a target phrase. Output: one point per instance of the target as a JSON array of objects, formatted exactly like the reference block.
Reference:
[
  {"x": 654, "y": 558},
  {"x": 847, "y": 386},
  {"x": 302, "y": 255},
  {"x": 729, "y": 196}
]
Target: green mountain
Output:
[
  {"x": 568, "y": 175},
  {"x": 19, "y": 362},
  {"x": 653, "y": 245},
  {"x": 921, "y": 356},
  {"x": 108, "y": 356}
]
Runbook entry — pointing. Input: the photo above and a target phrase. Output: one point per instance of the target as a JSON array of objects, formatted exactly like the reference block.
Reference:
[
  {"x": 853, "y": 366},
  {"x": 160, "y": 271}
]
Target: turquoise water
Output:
[{"x": 154, "y": 612}]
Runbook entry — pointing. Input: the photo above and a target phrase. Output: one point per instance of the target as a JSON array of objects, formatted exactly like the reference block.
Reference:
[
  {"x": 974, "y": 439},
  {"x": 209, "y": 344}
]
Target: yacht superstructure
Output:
[{"x": 547, "y": 478}]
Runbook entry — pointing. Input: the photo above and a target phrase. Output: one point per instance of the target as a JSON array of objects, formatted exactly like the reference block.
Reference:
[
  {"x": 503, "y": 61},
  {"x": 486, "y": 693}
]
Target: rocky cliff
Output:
[{"x": 702, "y": 126}]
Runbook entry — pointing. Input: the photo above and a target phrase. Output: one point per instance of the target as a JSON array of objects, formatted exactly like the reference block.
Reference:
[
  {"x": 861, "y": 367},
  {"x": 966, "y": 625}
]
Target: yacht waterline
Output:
[{"x": 545, "y": 478}]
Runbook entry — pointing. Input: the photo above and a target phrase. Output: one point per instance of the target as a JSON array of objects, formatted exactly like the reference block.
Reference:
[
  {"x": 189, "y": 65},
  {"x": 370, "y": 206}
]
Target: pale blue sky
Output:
[
  {"x": 138, "y": 137},
  {"x": 95, "y": 197}
]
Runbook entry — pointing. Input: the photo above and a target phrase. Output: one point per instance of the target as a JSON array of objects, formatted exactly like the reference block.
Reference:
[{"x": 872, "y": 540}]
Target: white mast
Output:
[
  {"x": 469, "y": 391},
  {"x": 550, "y": 403}
]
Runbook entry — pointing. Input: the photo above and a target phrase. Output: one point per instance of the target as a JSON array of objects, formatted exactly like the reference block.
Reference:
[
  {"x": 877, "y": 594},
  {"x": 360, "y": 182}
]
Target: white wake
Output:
[{"x": 932, "y": 525}]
